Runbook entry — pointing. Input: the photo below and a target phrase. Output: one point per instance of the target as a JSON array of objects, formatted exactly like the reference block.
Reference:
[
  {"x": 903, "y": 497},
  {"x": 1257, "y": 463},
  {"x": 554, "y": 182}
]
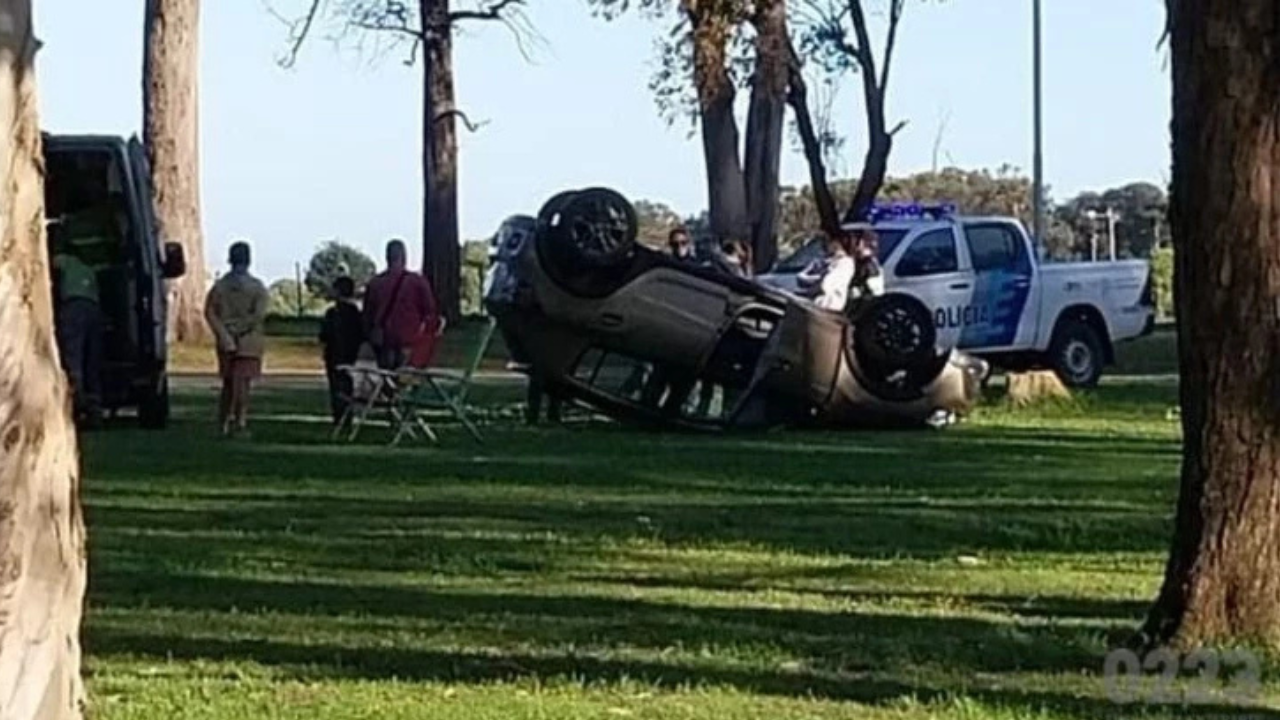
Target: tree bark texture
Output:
[
  {"x": 442, "y": 256},
  {"x": 171, "y": 68},
  {"x": 1223, "y": 576},
  {"x": 765, "y": 119},
  {"x": 42, "y": 542},
  {"x": 726, "y": 183}
]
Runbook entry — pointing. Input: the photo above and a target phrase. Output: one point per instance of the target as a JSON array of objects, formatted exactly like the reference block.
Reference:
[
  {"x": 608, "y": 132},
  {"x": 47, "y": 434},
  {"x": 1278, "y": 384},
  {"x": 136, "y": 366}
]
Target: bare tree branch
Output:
[
  {"x": 862, "y": 52},
  {"x": 396, "y": 17},
  {"x": 895, "y": 17},
  {"x": 461, "y": 115},
  {"x": 797, "y": 98},
  {"x": 299, "y": 29},
  {"x": 491, "y": 12}
]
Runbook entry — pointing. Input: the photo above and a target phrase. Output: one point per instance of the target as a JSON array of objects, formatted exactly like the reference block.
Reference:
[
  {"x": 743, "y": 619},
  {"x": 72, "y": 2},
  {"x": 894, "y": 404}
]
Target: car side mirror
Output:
[{"x": 175, "y": 261}]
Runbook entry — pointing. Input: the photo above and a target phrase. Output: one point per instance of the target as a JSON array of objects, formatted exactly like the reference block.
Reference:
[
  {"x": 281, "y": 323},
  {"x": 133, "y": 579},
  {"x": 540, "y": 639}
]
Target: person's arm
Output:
[
  {"x": 219, "y": 328},
  {"x": 430, "y": 309},
  {"x": 261, "y": 304},
  {"x": 326, "y": 327},
  {"x": 369, "y": 309}
]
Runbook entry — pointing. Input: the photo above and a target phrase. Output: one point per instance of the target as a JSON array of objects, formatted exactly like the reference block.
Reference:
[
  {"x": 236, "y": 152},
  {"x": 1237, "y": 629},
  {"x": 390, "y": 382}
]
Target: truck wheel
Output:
[
  {"x": 153, "y": 406},
  {"x": 1076, "y": 354}
]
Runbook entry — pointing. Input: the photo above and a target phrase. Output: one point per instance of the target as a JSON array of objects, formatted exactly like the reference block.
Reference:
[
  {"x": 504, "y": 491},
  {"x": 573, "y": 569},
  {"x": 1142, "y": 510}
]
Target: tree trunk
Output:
[
  {"x": 441, "y": 257},
  {"x": 171, "y": 62},
  {"x": 726, "y": 186},
  {"x": 765, "y": 119},
  {"x": 1223, "y": 576},
  {"x": 42, "y": 575},
  {"x": 798, "y": 98}
]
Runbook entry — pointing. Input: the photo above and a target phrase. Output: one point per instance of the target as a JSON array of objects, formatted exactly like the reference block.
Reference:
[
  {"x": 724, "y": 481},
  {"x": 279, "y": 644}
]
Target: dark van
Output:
[{"x": 102, "y": 185}]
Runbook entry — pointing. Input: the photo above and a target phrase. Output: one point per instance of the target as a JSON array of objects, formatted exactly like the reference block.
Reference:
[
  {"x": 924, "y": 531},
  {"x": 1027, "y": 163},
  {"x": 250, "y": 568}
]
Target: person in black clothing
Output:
[{"x": 341, "y": 334}]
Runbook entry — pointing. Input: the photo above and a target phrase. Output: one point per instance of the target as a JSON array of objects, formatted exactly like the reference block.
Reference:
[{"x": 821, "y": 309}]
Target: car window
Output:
[
  {"x": 802, "y": 258},
  {"x": 888, "y": 241},
  {"x": 996, "y": 247},
  {"x": 933, "y": 253}
]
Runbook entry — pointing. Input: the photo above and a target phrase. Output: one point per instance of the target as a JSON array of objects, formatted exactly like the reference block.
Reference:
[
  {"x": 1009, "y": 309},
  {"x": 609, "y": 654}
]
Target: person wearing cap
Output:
[
  {"x": 236, "y": 310},
  {"x": 79, "y": 328}
]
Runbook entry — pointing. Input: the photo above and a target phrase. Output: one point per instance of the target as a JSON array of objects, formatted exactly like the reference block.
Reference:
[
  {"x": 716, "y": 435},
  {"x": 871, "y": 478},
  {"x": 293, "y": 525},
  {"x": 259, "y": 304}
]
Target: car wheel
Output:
[
  {"x": 550, "y": 211},
  {"x": 153, "y": 407},
  {"x": 597, "y": 227},
  {"x": 1076, "y": 354},
  {"x": 896, "y": 332}
]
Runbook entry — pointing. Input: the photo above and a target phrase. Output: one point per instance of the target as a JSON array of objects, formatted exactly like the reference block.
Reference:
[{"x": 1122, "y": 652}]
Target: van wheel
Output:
[
  {"x": 1076, "y": 354},
  {"x": 153, "y": 408}
]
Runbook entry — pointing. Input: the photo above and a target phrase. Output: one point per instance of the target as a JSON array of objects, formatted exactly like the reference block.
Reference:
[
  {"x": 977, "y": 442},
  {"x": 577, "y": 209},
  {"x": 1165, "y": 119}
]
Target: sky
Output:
[{"x": 329, "y": 148}]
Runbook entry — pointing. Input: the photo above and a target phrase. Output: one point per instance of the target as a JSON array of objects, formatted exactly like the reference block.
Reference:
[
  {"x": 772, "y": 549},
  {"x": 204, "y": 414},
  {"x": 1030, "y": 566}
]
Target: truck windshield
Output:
[{"x": 813, "y": 250}]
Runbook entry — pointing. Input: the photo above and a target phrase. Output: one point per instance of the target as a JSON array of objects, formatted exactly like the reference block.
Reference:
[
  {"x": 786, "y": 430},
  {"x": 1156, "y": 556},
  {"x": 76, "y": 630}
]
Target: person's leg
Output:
[
  {"x": 334, "y": 380},
  {"x": 70, "y": 333},
  {"x": 92, "y": 370},
  {"x": 242, "y": 384},
  {"x": 554, "y": 403},
  {"x": 226, "y": 400},
  {"x": 533, "y": 401}
]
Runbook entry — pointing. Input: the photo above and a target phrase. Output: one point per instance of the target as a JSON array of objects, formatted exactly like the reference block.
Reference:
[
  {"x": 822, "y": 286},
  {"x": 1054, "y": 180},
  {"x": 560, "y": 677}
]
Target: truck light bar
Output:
[{"x": 911, "y": 211}]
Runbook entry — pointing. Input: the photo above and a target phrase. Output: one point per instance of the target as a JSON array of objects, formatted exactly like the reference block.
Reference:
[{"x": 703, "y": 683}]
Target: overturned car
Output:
[{"x": 648, "y": 339}]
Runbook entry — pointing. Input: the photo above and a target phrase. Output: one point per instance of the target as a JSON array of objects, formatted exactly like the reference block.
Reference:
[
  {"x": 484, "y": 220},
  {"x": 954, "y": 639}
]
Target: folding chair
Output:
[
  {"x": 426, "y": 390},
  {"x": 372, "y": 389}
]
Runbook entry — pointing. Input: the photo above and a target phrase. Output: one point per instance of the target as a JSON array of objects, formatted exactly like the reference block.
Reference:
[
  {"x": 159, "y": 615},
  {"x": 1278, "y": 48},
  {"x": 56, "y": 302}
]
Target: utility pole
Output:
[
  {"x": 297, "y": 274},
  {"x": 1038, "y": 161},
  {"x": 1112, "y": 218}
]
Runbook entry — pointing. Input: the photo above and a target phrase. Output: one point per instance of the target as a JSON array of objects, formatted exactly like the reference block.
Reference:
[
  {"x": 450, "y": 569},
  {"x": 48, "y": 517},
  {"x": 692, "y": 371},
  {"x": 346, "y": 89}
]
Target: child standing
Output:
[{"x": 341, "y": 334}]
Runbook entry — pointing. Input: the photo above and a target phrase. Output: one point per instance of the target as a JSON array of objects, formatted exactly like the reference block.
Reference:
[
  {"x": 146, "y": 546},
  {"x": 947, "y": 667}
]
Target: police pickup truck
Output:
[{"x": 992, "y": 297}]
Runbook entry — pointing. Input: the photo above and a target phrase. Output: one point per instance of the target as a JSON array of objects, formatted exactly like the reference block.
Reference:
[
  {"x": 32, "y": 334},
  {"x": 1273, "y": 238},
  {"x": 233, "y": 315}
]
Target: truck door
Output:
[
  {"x": 153, "y": 300},
  {"x": 931, "y": 270},
  {"x": 1002, "y": 272}
]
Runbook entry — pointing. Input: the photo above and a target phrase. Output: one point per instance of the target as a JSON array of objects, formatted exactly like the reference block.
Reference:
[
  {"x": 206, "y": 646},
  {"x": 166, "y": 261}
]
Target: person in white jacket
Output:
[{"x": 827, "y": 281}]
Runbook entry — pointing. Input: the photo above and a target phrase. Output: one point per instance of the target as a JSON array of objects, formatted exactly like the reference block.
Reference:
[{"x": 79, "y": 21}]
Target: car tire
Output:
[
  {"x": 153, "y": 406},
  {"x": 1076, "y": 354},
  {"x": 551, "y": 209},
  {"x": 595, "y": 228},
  {"x": 895, "y": 332}
]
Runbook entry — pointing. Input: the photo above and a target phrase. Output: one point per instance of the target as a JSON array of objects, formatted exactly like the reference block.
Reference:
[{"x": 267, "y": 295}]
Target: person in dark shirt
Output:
[{"x": 341, "y": 335}]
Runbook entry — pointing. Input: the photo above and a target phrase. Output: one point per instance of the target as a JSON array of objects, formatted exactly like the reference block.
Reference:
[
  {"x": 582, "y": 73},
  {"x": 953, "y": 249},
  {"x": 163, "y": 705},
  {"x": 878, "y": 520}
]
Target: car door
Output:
[
  {"x": 1002, "y": 274},
  {"x": 931, "y": 268}
]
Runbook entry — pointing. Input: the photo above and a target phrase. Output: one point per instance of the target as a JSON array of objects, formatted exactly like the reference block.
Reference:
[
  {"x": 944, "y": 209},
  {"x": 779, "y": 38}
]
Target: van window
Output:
[
  {"x": 933, "y": 253},
  {"x": 996, "y": 247}
]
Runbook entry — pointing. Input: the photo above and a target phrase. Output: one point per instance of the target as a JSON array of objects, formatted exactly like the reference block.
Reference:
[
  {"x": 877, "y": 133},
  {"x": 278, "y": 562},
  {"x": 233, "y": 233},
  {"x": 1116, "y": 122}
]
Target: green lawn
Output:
[{"x": 592, "y": 572}]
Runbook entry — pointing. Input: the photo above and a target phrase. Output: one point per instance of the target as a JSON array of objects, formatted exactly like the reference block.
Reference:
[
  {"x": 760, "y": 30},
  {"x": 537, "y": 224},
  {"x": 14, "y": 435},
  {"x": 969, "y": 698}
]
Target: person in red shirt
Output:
[{"x": 399, "y": 309}]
